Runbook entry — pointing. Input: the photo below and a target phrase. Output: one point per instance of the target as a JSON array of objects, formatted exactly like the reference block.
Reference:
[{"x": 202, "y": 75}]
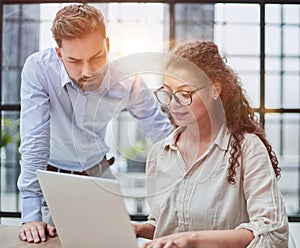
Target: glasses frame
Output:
[{"x": 171, "y": 95}]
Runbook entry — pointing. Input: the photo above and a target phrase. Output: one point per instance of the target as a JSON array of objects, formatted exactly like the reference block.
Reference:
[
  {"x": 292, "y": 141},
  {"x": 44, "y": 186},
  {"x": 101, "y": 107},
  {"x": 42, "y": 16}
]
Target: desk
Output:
[{"x": 9, "y": 239}]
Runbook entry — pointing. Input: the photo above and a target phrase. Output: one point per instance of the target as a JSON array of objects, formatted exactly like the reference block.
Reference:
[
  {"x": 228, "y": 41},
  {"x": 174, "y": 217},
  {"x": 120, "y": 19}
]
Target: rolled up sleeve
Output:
[{"x": 265, "y": 206}]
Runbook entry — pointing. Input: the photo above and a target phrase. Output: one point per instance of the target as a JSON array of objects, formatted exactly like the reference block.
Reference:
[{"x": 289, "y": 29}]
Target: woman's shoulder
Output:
[
  {"x": 251, "y": 139},
  {"x": 252, "y": 145}
]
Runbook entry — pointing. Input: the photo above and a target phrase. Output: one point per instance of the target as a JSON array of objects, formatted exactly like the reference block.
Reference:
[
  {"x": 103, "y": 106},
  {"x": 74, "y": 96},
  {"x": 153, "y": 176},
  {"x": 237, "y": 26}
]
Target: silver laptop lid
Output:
[{"x": 87, "y": 211}]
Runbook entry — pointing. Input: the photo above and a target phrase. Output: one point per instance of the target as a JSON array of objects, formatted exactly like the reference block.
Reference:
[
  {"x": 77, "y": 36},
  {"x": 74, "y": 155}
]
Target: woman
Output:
[{"x": 212, "y": 182}]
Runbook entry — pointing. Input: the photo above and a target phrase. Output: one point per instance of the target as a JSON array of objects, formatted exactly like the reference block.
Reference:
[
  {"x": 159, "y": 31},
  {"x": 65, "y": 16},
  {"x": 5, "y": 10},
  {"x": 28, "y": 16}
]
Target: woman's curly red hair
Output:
[{"x": 206, "y": 56}]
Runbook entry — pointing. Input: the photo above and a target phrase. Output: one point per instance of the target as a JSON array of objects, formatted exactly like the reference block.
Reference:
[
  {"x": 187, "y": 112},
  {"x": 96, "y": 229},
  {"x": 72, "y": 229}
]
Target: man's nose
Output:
[{"x": 87, "y": 70}]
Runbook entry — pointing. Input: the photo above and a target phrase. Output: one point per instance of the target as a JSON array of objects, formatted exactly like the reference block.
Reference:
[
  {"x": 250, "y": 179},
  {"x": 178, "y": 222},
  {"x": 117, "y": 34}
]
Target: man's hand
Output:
[
  {"x": 36, "y": 231},
  {"x": 143, "y": 230}
]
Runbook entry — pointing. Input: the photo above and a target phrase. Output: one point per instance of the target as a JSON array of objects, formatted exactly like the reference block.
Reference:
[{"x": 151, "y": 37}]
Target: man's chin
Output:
[{"x": 90, "y": 86}]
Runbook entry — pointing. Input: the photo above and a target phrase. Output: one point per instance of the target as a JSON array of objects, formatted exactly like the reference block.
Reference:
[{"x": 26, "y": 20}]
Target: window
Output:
[{"x": 259, "y": 41}]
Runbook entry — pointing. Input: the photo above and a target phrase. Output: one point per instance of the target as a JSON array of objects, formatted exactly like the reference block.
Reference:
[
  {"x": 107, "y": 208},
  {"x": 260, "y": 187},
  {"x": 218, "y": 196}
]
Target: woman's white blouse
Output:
[{"x": 201, "y": 198}]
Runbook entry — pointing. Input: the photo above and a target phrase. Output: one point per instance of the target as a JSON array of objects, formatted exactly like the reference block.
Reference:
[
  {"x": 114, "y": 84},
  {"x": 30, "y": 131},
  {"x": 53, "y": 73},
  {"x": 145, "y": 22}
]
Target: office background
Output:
[{"x": 260, "y": 40}]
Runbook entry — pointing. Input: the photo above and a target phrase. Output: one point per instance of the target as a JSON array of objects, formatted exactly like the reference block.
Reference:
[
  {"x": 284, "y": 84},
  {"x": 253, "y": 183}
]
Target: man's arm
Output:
[
  {"x": 143, "y": 230},
  {"x": 34, "y": 149},
  {"x": 147, "y": 111}
]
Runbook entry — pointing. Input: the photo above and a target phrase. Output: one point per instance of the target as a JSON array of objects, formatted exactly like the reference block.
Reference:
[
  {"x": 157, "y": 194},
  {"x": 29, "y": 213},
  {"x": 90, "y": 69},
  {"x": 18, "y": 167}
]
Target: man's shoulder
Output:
[{"x": 45, "y": 55}]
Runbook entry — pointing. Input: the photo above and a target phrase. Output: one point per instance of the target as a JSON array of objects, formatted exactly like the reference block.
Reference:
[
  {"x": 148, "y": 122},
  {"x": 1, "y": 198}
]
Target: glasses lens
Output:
[
  {"x": 163, "y": 97},
  {"x": 183, "y": 97}
]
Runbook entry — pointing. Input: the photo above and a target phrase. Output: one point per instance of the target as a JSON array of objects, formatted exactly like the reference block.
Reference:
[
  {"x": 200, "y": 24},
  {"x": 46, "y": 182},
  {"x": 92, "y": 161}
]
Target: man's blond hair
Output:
[{"x": 75, "y": 21}]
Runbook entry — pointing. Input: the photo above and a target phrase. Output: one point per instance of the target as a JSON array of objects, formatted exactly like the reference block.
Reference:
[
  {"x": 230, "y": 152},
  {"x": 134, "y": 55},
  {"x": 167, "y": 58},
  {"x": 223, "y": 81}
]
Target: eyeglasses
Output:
[{"x": 182, "y": 97}]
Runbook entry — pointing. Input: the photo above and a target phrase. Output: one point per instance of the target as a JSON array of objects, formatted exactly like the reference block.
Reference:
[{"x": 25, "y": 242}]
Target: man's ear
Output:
[
  {"x": 58, "y": 52},
  {"x": 107, "y": 44}
]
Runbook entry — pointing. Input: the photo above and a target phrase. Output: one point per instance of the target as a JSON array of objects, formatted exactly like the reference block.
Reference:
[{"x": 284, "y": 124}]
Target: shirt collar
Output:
[
  {"x": 221, "y": 139},
  {"x": 65, "y": 79},
  {"x": 105, "y": 85},
  {"x": 172, "y": 138}
]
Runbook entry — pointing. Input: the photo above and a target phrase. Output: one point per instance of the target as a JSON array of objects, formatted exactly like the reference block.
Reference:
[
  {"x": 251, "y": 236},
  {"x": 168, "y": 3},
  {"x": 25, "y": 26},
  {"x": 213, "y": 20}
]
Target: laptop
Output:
[{"x": 88, "y": 211}]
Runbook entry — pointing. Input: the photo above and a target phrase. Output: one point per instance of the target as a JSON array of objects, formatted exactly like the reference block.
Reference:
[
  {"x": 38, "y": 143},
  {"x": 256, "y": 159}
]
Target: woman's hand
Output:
[
  {"x": 212, "y": 238},
  {"x": 177, "y": 240}
]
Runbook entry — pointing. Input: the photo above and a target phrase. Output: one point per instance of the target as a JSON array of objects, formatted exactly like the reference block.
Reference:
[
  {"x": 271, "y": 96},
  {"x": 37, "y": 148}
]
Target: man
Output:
[{"x": 68, "y": 96}]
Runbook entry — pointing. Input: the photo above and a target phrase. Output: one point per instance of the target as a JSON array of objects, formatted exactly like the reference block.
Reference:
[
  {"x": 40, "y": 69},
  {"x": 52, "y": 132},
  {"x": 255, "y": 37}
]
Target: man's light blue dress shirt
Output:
[{"x": 63, "y": 126}]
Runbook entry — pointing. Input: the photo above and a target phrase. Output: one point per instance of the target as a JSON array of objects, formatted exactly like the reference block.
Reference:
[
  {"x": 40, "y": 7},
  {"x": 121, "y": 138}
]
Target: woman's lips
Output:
[{"x": 179, "y": 115}]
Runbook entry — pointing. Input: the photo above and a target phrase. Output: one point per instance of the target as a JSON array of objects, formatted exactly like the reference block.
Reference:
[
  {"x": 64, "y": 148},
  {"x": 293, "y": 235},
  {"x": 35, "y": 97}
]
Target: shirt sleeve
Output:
[
  {"x": 265, "y": 206},
  {"x": 147, "y": 111},
  {"x": 34, "y": 130}
]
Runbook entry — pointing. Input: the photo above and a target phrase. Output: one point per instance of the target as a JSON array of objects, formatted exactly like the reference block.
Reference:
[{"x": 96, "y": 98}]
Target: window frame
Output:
[{"x": 261, "y": 110}]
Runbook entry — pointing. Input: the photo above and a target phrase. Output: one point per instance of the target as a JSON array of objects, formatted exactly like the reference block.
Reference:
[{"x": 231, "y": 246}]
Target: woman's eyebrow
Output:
[{"x": 181, "y": 87}]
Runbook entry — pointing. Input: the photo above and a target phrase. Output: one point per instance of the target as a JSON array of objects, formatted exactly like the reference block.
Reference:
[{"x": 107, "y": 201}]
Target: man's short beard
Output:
[{"x": 97, "y": 80}]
